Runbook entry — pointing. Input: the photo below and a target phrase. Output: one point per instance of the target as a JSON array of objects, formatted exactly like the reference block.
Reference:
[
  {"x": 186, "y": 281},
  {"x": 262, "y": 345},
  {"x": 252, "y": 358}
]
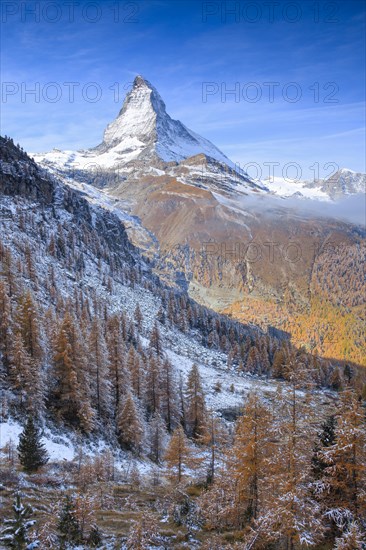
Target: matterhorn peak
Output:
[{"x": 144, "y": 127}]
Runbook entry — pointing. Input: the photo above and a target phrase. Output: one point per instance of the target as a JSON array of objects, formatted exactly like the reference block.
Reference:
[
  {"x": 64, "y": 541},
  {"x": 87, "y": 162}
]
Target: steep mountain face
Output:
[
  {"x": 344, "y": 182},
  {"x": 143, "y": 128},
  {"x": 145, "y": 140},
  {"x": 209, "y": 228}
]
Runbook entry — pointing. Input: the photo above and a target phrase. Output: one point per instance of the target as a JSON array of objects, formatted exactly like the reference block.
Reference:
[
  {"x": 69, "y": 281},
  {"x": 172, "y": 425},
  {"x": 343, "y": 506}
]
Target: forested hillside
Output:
[{"x": 238, "y": 439}]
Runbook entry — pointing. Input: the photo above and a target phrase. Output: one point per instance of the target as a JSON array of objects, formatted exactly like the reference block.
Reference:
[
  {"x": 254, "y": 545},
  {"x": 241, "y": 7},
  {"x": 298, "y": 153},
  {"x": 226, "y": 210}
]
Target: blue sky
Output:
[{"x": 187, "y": 49}]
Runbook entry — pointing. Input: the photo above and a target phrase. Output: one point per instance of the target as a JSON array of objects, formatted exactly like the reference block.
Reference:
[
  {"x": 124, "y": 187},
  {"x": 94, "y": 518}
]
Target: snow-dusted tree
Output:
[
  {"x": 5, "y": 323},
  {"x": 249, "y": 460},
  {"x": 178, "y": 454},
  {"x": 32, "y": 453},
  {"x": 135, "y": 371},
  {"x": 143, "y": 534},
  {"x": 155, "y": 340},
  {"x": 71, "y": 386},
  {"x": 68, "y": 524},
  {"x": 169, "y": 399},
  {"x": 99, "y": 368},
  {"x": 117, "y": 359},
  {"x": 352, "y": 539},
  {"x": 157, "y": 438},
  {"x": 20, "y": 369},
  {"x": 196, "y": 414},
  {"x": 138, "y": 318},
  {"x": 152, "y": 385},
  {"x": 16, "y": 533},
  {"x": 85, "y": 510},
  {"x": 326, "y": 438},
  {"x": 66, "y": 390},
  {"x": 344, "y": 481},
  {"x": 215, "y": 438},
  {"x": 295, "y": 514},
  {"x": 27, "y": 321},
  {"x": 130, "y": 425}
]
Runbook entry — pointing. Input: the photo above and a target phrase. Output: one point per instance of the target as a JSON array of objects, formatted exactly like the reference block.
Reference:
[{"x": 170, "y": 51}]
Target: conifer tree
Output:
[
  {"x": 66, "y": 391},
  {"x": 215, "y": 439},
  {"x": 155, "y": 340},
  {"x": 16, "y": 534},
  {"x": 344, "y": 479},
  {"x": 20, "y": 369},
  {"x": 169, "y": 405},
  {"x": 157, "y": 436},
  {"x": 153, "y": 385},
  {"x": 135, "y": 372},
  {"x": 31, "y": 451},
  {"x": 68, "y": 524},
  {"x": 117, "y": 360},
  {"x": 296, "y": 516},
  {"x": 138, "y": 318},
  {"x": 326, "y": 438},
  {"x": 27, "y": 320},
  {"x": 249, "y": 459},
  {"x": 196, "y": 420},
  {"x": 5, "y": 324},
  {"x": 129, "y": 425},
  {"x": 99, "y": 365},
  {"x": 178, "y": 454}
]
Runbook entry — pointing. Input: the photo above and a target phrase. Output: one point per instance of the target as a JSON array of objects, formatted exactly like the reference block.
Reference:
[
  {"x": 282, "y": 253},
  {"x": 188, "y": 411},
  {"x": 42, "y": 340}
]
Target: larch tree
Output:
[
  {"x": 214, "y": 439},
  {"x": 135, "y": 371},
  {"x": 250, "y": 460},
  {"x": 117, "y": 361},
  {"x": 130, "y": 425},
  {"x": 155, "y": 340},
  {"x": 296, "y": 515},
  {"x": 152, "y": 385},
  {"x": 66, "y": 391},
  {"x": 196, "y": 414},
  {"x": 99, "y": 369},
  {"x": 178, "y": 454},
  {"x": 344, "y": 479},
  {"x": 169, "y": 399},
  {"x": 157, "y": 438},
  {"x": 20, "y": 370},
  {"x": 5, "y": 324}
]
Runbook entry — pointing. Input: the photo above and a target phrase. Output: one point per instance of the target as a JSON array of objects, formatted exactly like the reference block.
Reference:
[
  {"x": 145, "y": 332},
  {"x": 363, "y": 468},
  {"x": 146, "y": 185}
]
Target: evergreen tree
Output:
[
  {"x": 326, "y": 438},
  {"x": 16, "y": 533},
  {"x": 68, "y": 524},
  {"x": 32, "y": 453}
]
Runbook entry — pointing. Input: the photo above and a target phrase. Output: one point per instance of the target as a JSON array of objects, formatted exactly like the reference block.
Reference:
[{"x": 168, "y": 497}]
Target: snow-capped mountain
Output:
[
  {"x": 342, "y": 183},
  {"x": 144, "y": 127},
  {"x": 145, "y": 140}
]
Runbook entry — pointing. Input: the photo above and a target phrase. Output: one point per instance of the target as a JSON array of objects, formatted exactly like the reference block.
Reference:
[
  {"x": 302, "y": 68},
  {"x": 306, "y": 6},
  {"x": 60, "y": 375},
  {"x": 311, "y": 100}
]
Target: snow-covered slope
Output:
[{"x": 342, "y": 183}]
